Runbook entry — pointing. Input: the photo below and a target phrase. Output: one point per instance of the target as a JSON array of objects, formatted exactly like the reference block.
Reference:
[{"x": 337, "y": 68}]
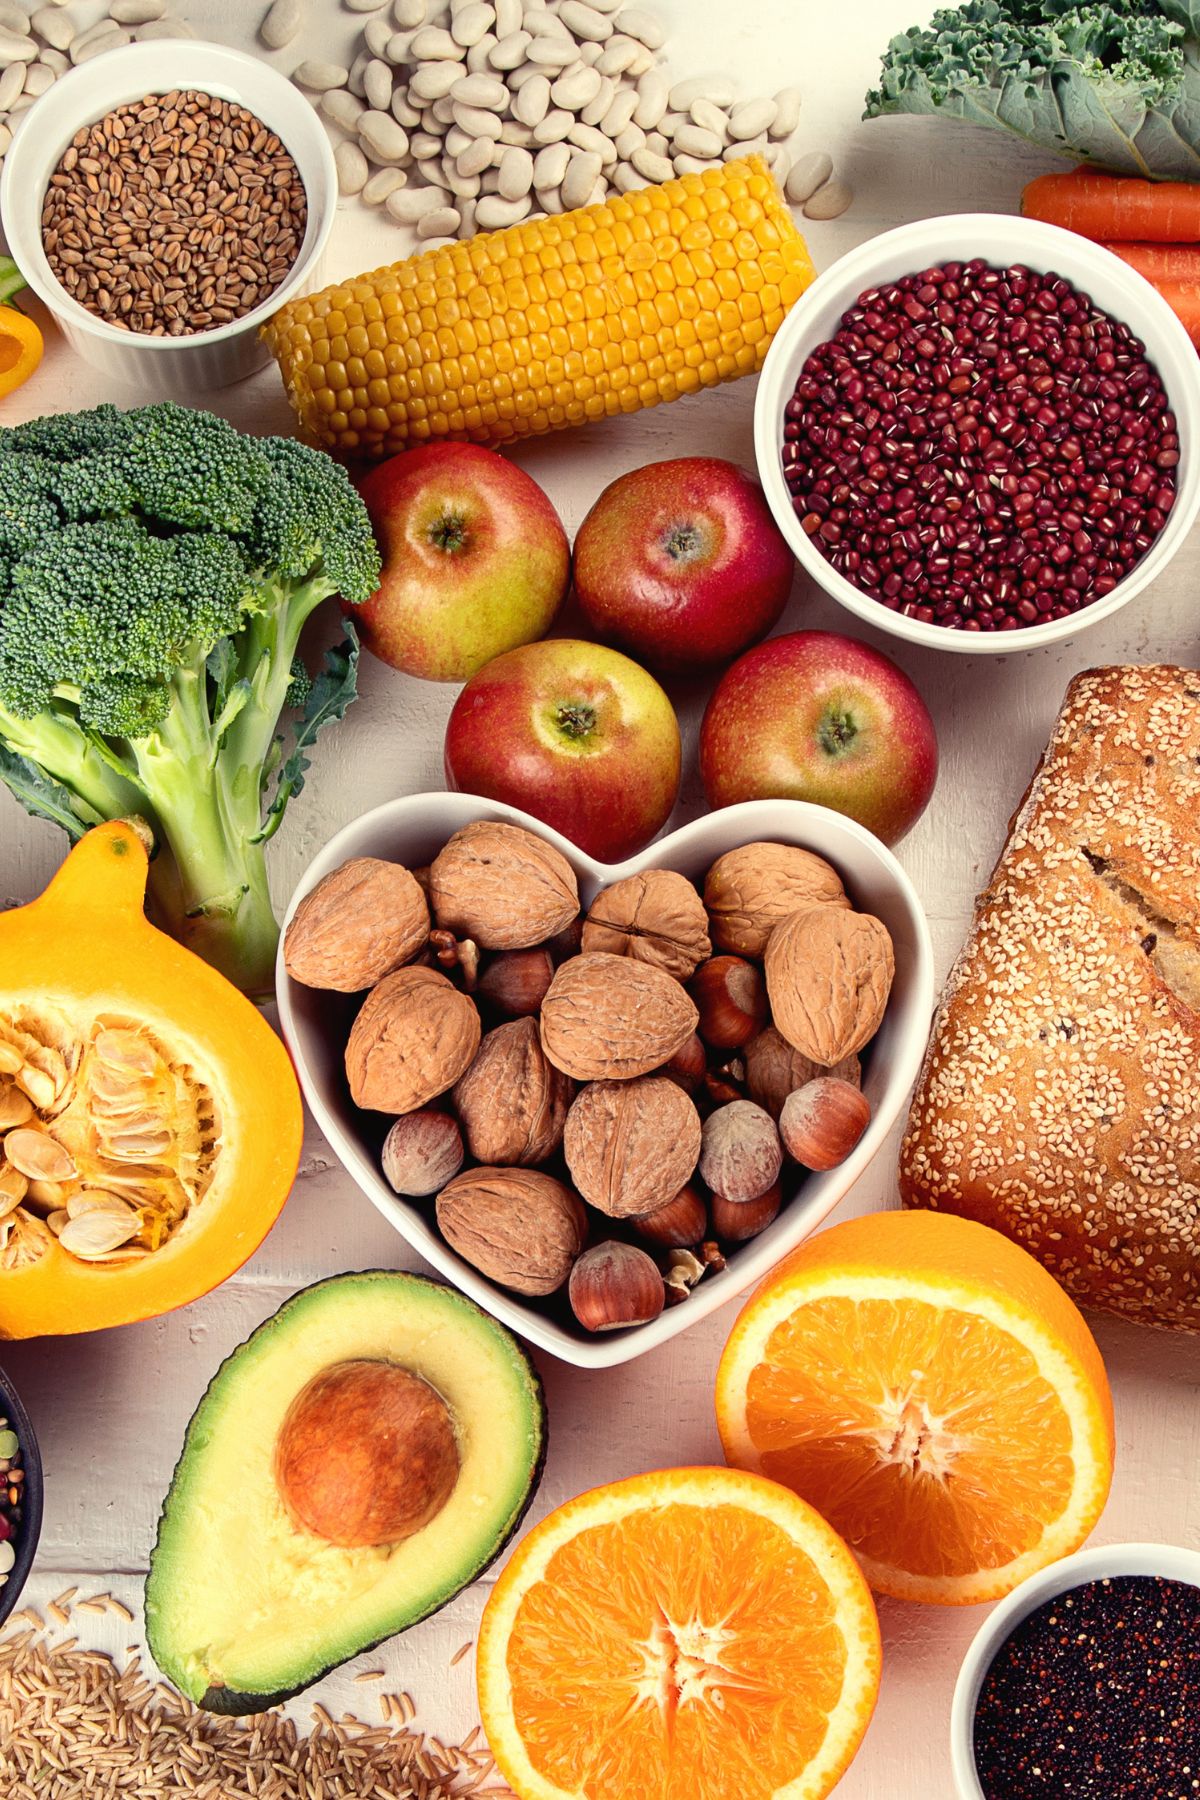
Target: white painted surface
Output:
[{"x": 111, "y": 1408}]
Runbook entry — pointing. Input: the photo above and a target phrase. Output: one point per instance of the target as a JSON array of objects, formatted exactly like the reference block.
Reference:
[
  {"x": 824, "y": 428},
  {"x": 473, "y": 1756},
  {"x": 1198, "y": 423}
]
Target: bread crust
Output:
[{"x": 1060, "y": 1096}]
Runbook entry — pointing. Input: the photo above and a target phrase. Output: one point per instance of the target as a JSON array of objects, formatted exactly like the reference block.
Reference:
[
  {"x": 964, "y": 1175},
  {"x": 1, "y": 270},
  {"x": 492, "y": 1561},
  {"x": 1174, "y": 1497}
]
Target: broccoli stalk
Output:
[{"x": 156, "y": 571}]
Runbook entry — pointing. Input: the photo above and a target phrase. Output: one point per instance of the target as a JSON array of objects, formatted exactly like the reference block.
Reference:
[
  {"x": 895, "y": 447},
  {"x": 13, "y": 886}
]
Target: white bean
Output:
[
  {"x": 716, "y": 88},
  {"x": 554, "y": 126},
  {"x": 52, "y": 58},
  {"x": 13, "y": 18},
  {"x": 377, "y": 35},
  {"x": 586, "y": 137},
  {"x": 652, "y": 91},
  {"x": 406, "y": 205},
  {"x": 433, "y": 81},
  {"x": 440, "y": 113},
  {"x": 516, "y": 173},
  {"x": 513, "y": 132},
  {"x": 619, "y": 114},
  {"x": 830, "y": 200},
  {"x": 463, "y": 187},
  {"x": 583, "y": 172},
  {"x": 466, "y": 211},
  {"x": 475, "y": 120},
  {"x": 382, "y": 183},
  {"x": 607, "y": 6},
  {"x": 645, "y": 26},
  {"x": 5, "y": 139},
  {"x": 489, "y": 182},
  {"x": 781, "y": 165},
  {"x": 787, "y": 112},
  {"x": 618, "y": 54},
  {"x": 625, "y": 178},
  {"x": 590, "y": 53},
  {"x": 574, "y": 89},
  {"x": 408, "y": 14},
  {"x": 754, "y": 147},
  {"x": 629, "y": 140},
  {"x": 281, "y": 23},
  {"x": 343, "y": 107},
  {"x": 56, "y": 27},
  {"x": 402, "y": 111},
  {"x": 136, "y": 12},
  {"x": 478, "y": 55},
  {"x": 551, "y": 52},
  {"x": 550, "y": 165},
  {"x": 649, "y": 163},
  {"x": 750, "y": 118},
  {"x": 493, "y": 213},
  {"x": 475, "y": 160},
  {"x": 352, "y": 168},
  {"x": 472, "y": 23},
  {"x": 658, "y": 142},
  {"x": 319, "y": 76},
  {"x": 709, "y": 117},
  {"x": 440, "y": 221},
  {"x": 384, "y": 140},
  {"x": 480, "y": 90},
  {"x": 167, "y": 27},
  {"x": 16, "y": 48},
  {"x": 432, "y": 44},
  {"x": 365, "y": 6},
  {"x": 691, "y": 165},
  {"x": 550, "y": 200},
  {"x": 377, "y": 84},
  {"x": 509, "y": 52},
  {"x": 596, "y": 108},
  {"x": 424, "y": 144},
  {"x": 11, "y": 83},
  {"x": 519, "y": 78},
  {"x": 587, "y": 22},
  {"x": 508, "y": 17},
  {"x": 355, "y": 79},
  {"x": 694, "y": 140},
  {"x": 38, "y": 78},
  {"x": 808, "y": 174},
  {"x": 457, "y": 141},
  {"x": 533, "y": 101}
]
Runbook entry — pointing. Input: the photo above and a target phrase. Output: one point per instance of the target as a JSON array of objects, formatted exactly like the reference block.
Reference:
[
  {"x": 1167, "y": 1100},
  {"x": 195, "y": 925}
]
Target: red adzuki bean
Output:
[{"x": 981, "y": 448}]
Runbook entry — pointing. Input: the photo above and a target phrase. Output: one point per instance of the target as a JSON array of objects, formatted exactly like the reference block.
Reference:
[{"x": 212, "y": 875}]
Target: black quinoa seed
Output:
[{"x": 1096, "y": 1696}]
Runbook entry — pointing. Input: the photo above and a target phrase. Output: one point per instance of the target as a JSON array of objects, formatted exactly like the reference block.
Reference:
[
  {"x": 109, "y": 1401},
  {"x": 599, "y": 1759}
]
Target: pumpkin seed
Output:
[
  {"x": 137, "y": 1142},
  {"x": 12, "y": 1190},
  {"x": 97, "y": 1200},
  {"x": 126, "y": 1050},
  {"x": 94, "y": 1234},
  {"x": 45, "y": 1196},
  {"x": 38, "y": 1085},
  {"x": 24, "y": 1240},
  {"x": 56, "y": 1221},
  {"x": 10, "y": 1058},
  {"x": 38, "y": 1155},
  {"x": 16, "y": 1108}
]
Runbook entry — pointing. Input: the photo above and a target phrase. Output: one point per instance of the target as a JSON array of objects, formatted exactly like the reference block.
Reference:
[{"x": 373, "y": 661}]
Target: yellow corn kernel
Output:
[{"x": 578, "y": 316}]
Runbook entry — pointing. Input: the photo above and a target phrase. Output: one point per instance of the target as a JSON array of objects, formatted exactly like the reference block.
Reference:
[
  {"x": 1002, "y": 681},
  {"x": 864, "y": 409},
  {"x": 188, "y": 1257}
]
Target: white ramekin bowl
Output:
[
  {"x": 412, "y": 831},
  {"x": 1003, "y": 240},
  {"x": 1171, "y": 1561},
  {"x": 166, "y": 367}
]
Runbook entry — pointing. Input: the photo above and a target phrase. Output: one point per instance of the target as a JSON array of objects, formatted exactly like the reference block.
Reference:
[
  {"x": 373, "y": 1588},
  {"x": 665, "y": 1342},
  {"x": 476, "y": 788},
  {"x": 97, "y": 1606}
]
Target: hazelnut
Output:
[
  {"x": 732, "y": 1001},
  {"x": 656, "y": 917},
  {"x": 450, "y": 952},
  {"x": 677, "y": 1224},
  {"x": 512, "y": 1100},
  {"x": 421, "y": 1152},
  {"x": 415, "y": 1034},
  {"x": 613, "y": 1285},
  {"x": 518, "y": 1226},
  {"x": 631, "y": 1145},
  {"x": 683, "y": 1271},
  {"x": 748, "y": 891},
  {"x": 357, "y": 925},
  {"x": 829, "y": 974},
  {"x": 515, "y": 982},
  {"x": 740, "y": 1151},
  {"x": 502, "y": 886},
  {"x": 607, "y": 1017},
  {"x": 737, "y": 1220},
  {"x": 775, "y": 1068},
  {"x": 726, "y": 1082},
  {"x": 822, "y": 1121},
  {"x": 687, "y": 1067}
]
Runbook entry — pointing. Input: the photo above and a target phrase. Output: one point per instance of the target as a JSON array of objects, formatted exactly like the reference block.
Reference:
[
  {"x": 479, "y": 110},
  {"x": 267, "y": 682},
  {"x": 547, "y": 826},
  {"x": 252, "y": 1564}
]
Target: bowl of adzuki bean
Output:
[
  {"x": 20, "y": 1496},
  {"x": 986, "y": 449}
]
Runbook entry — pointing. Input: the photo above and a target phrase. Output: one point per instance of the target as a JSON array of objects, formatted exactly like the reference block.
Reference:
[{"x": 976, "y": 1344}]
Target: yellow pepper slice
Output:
[{"x": 20, "y": 340}]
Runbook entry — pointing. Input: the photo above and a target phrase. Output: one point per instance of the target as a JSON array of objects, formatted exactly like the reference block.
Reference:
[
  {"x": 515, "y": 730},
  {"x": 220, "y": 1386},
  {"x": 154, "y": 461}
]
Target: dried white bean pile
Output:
[
  {"x": 460, "y": 116},
  {"x": 39, "y": 45}
]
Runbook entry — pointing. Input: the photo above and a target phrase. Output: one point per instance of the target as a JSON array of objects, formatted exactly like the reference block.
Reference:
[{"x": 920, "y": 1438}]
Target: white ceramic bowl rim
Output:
[
  {"x": 223, "y": 64},
  {"x": 1003, "y": 239},
  {"x": 1174, "y": 1562}
]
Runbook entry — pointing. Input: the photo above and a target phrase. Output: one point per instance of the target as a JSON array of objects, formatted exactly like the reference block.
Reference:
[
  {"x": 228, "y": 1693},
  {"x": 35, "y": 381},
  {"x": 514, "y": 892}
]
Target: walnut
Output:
[
  {"x": 502, "y": 887},
  {"x": 631, "y": 1145},
  {"x": 748, "y": 890},
  {"x": 512, "y": 1100},
  {"x": 519, "y": 1226},
  {"x": 829, "y": 974},
  {"x": 774, "y": 1069},
  {"x": 608, "y": 1018},
  {"x": 656, "y": 917},
  {"x": 415, "y": 1034},
  {"x": 357, "y": 925}
]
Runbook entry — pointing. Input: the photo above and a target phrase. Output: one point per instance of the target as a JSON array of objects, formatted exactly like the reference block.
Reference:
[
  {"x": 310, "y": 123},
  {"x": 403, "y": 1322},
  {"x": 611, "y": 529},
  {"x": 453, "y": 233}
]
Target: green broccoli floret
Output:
[{"x": 156, "y": 570}]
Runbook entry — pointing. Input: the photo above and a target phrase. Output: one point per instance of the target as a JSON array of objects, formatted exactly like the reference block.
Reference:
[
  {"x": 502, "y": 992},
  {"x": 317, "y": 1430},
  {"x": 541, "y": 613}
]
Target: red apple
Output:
[
  {"x": 575, "y": 734},
  {"x": 815, "y": 716},
  {"x": 682, "y": 564},
  {"x": 475, "y": 560}
]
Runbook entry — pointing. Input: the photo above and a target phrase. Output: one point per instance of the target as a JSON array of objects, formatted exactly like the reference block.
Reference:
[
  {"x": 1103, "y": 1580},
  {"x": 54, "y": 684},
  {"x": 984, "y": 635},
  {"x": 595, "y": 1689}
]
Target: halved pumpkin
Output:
[{"x": 150, "y": 1120}]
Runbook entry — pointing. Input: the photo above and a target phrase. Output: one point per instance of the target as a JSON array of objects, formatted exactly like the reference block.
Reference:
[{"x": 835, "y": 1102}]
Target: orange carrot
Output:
[
  {"x": 1116, "y": 207},
  {"x": 1158, "y": 262},
  {"x": 1183, "y": 298}
]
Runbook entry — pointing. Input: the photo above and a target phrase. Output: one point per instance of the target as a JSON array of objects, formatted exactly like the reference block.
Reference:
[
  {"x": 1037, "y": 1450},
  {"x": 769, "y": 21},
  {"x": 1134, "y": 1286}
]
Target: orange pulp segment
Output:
[{"x": 697, "y": 1634}]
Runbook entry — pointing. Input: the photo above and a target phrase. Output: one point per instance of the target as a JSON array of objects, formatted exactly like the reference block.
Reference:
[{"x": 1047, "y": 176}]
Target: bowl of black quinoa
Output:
[
  {"x": 1085, "y": 1682},
  {"x": 20, "y": 1496}
]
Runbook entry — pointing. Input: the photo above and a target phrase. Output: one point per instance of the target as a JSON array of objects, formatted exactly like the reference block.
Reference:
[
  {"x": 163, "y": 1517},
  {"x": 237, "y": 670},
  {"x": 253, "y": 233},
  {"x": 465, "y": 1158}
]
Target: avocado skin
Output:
[{"x": 234, "y": 1702}]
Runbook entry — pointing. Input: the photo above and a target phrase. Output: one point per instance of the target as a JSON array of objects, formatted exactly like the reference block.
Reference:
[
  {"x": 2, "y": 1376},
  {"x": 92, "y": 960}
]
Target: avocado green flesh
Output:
[{"x": 243, "y": 1606}]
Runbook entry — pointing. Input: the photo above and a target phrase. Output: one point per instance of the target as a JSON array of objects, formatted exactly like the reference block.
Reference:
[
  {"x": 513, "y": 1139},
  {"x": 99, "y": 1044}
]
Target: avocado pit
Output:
[{"x": 367, "y": 1454}]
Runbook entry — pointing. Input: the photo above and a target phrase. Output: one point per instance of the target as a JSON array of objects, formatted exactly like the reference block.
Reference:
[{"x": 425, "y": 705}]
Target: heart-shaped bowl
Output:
[{"x": 412, "y": 831}]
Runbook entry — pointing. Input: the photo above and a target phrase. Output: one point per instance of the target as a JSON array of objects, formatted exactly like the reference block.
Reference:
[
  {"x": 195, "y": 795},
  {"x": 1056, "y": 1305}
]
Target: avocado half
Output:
[{"x": 244, "y": 1605}]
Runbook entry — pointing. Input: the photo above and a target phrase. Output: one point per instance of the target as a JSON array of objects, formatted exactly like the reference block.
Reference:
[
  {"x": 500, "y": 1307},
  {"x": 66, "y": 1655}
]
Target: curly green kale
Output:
[
  {"x": 156, "y": 570},
  {"x": 1111, "y": 82}
]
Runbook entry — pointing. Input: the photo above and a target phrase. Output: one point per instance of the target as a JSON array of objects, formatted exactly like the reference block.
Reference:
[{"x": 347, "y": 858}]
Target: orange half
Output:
[
  {"x": 698, "y": 1634},
  {"x": 934, "y": 1393}
]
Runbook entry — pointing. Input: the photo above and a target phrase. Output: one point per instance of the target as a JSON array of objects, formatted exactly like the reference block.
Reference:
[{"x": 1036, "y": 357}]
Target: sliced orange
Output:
[
  {"x": 936, "y": 1396},
  {"x": 699, "y": 1634}
]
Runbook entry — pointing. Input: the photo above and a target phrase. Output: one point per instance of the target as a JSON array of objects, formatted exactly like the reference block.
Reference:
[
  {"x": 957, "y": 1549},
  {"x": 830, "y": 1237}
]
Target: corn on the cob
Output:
[{"x": 605, "y": 310}]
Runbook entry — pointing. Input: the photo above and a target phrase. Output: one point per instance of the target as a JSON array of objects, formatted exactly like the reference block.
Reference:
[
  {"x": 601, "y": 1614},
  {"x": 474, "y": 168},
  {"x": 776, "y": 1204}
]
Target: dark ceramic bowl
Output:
[{"x": 31, "y": 1518}]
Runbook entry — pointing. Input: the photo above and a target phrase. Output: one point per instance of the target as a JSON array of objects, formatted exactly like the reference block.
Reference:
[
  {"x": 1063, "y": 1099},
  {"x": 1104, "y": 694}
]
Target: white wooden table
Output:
[{"x": 111, "y": 1408}]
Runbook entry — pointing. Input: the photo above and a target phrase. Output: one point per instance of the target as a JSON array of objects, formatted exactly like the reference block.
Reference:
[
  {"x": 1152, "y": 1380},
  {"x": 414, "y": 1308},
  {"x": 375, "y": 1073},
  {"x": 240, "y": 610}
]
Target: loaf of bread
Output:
[{"x": 1060, "y": 1098}]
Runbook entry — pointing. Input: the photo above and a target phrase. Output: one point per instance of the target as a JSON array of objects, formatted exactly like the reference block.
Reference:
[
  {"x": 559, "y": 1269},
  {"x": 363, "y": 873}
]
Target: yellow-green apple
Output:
[
  {"x": 475, "y": 560},
  {"x": 574, "y": 733},
  {"x": 681, "y": 563},
  {"x": 815, "y": 716}
]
